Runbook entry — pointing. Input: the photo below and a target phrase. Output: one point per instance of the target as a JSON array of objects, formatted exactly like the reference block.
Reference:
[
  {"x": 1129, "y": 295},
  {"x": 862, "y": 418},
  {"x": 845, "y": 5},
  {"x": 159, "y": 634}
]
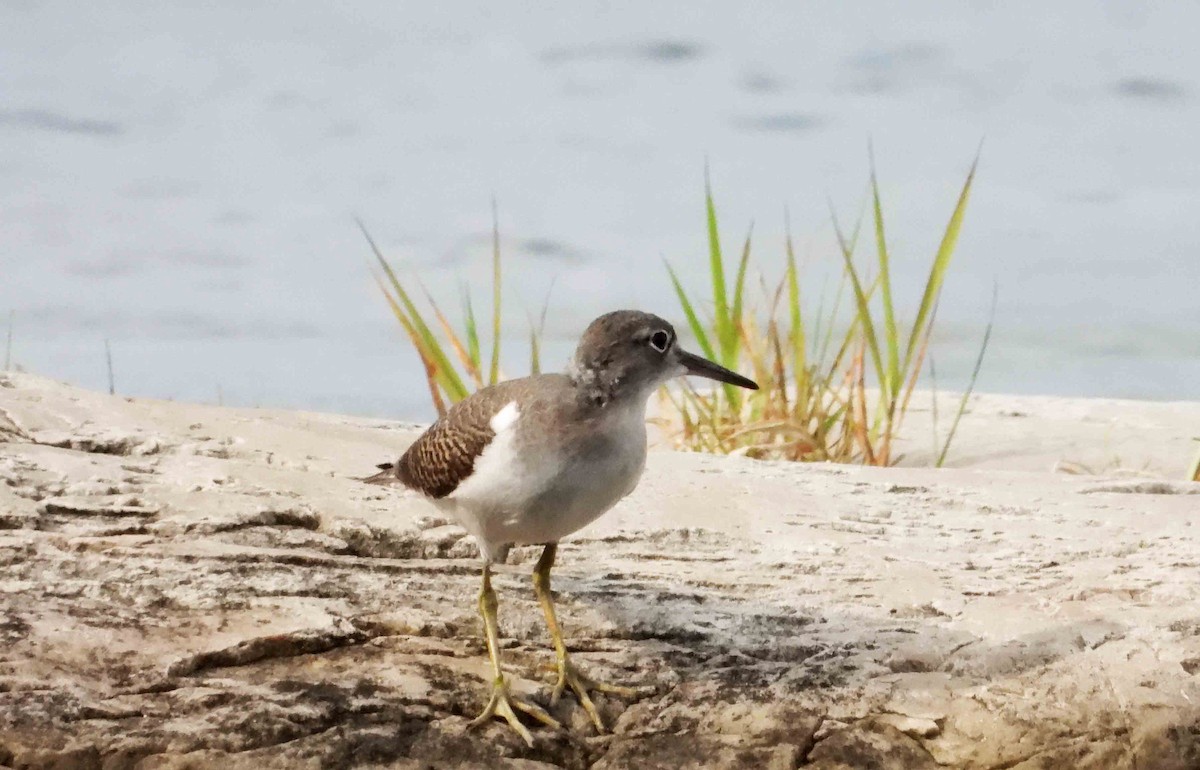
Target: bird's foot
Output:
[
  {"x": 580, "y": 683},
  {"x": 505, "y": 705}
]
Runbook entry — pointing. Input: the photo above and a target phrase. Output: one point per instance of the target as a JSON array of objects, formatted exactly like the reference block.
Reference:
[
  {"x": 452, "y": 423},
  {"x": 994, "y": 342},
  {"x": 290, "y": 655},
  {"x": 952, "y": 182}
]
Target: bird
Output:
[{"x": 529, "y": 461}]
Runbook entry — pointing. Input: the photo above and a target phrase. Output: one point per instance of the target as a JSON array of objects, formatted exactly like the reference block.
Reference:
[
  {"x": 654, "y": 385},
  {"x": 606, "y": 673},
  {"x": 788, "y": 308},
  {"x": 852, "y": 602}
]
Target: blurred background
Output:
[{"x": 182, "y": 180}]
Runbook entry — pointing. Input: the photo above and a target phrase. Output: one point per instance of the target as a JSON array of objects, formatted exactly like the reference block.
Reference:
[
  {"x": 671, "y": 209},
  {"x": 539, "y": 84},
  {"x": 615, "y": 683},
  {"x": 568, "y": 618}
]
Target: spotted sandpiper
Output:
[{"x": 529, "y": 461}]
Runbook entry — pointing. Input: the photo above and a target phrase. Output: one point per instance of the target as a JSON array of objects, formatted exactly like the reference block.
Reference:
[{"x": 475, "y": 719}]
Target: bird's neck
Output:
[{"x": 602, "y": 388}]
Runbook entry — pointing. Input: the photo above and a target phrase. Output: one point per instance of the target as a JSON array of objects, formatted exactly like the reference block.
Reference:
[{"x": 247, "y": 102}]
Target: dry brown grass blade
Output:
[
  {"x": 860, "y": 404},
  {"x": 460, "y": 349},
  {"x": 435, "y": 393},
  {"x": 780, "y": 368},
  {"x": 779, "y": 428},
  {"x": 911, "y": 385},
  {"x": 427, "y": 361},
  {"x": 701, "y": 415}
]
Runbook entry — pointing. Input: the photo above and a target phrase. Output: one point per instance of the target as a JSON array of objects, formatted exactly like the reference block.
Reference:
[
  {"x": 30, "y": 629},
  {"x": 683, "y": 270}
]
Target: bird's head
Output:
[{"x": 628, "y": 353}]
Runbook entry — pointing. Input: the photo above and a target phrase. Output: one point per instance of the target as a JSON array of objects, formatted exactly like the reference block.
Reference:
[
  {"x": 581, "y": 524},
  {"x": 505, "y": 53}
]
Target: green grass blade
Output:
[
  {"x": 820, "y": 343},
  {"x": 494, "y": 369},
  {"x": 1194, "y": 471},
  {"x": 472, "y": 331},
  {"x": 736, "y": 321},
  {"x": 689, "y": 312},
  {"x": 456, "y": 342},
  {"x": 890, "y": 385},
  {"x": 933, "y": 406},
  {"x": 716, "y": 268},
  {"x": 941, "y": 261},
  {"x": 739, "y": 284},
  {"x": 915, "y": 374},
  {"x": 914, "y": 370},
  {"x": 536, "y": 330},
  {"x": 962, "y": 404},
  {"x": 825, "y": 341},
  {"x": 795, "y": 317},
  {"x": 431, "y": 369},
  {"x": 862, "y": 303},
  {"x": 437, "y": 366},
  {"x": 823, "y": 356}
]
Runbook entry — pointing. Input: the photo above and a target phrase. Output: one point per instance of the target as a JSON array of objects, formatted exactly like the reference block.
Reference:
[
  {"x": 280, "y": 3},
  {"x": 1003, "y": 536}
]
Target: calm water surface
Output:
[{"x": 183, "y": 181}]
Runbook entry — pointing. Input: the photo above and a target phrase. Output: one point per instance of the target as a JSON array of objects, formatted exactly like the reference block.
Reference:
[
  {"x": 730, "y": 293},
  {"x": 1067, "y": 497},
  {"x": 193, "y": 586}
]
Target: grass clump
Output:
[
  {"x": 456, "y": 364},
  {"x": 830, "y": 388}
]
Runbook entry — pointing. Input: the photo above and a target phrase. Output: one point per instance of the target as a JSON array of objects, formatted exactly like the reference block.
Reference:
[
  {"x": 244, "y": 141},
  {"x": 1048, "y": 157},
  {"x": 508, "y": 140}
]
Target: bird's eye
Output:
[{"x": 659, "y": 341}]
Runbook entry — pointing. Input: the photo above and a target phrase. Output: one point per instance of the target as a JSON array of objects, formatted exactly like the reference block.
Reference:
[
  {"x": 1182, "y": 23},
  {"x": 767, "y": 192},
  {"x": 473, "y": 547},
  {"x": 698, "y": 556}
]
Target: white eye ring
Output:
[{"x": 660, "y": 340}]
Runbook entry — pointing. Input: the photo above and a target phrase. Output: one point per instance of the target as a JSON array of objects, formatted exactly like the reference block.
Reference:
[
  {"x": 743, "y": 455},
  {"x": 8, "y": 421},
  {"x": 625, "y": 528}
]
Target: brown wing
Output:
[{"x": 445, "y": 455}]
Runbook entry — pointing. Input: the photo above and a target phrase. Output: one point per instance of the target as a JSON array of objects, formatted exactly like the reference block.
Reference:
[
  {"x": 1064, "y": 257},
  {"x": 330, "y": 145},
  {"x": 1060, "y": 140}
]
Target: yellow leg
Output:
[
  {"x": 502, "y": 703},
  {"x": 568, "y": 674}
]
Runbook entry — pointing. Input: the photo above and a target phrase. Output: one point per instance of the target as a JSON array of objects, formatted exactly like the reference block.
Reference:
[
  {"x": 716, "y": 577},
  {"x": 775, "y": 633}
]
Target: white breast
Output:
[
  {"x": 542, "y": 497},
  {"x": 501, "y": 479}
]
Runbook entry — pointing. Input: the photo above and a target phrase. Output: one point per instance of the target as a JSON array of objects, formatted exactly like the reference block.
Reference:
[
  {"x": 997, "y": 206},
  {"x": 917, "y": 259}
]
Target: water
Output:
[{"x": 183, "y": 181}]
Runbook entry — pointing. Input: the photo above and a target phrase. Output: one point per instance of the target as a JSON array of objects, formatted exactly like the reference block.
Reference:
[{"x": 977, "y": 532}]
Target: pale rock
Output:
[{"x": 238, "y": 599}]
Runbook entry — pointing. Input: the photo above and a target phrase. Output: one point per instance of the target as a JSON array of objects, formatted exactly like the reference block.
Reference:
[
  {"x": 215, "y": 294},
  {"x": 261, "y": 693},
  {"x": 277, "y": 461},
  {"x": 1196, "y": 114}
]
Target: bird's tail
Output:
[{"x": 386, "y": 476}]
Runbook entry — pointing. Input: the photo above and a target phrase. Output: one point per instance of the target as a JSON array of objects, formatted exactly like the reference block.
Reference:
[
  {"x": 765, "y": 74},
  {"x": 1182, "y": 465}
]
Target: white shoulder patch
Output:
[{"x": 505, "y": 418}]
